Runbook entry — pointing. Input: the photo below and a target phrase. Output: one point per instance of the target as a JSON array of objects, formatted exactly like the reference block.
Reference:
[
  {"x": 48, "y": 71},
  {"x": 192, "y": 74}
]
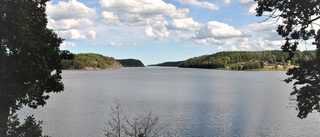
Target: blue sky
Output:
[{"x": 156, "y": 31}]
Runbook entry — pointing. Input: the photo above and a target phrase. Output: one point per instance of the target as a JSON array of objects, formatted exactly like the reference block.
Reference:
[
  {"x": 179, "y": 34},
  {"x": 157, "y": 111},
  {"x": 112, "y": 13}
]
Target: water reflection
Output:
[{"x": 193, "y": 102}]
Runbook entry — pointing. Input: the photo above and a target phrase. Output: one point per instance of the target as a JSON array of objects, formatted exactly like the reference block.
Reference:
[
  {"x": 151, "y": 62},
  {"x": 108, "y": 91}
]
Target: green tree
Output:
[
  {"x": 298, "y": 18},
  {"x": 29, "y": 57},
  {"x": 30, "y": 128},
  {"x": 66, "y": 55}
]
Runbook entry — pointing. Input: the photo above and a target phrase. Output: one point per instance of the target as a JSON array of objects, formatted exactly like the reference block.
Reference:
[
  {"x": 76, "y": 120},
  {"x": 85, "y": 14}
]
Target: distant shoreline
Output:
[{"x": 267, "y": 68}]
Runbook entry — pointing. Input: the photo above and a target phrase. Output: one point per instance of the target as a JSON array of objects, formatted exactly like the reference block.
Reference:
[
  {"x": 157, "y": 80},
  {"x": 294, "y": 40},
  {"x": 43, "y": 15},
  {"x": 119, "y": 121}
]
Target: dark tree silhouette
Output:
[
  {"x": 66, "y": 55},
  {"x": 29, "y": 57},
  {"x": 298, "y": 23},
  {"x": 131, "y": 63}
]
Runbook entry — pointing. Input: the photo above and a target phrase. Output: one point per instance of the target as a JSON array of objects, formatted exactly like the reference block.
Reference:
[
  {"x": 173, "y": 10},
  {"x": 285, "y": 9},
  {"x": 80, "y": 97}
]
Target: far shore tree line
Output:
[
  {"x": 233, "y": 60},
  {"x": 248, "y": 60},
  {"x": 90, "y": 61},
  {"x": 94, "y": 61}
]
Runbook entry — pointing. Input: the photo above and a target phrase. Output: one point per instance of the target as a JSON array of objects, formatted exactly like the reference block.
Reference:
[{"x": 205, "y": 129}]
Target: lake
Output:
[{"x": 192, "y": 102}]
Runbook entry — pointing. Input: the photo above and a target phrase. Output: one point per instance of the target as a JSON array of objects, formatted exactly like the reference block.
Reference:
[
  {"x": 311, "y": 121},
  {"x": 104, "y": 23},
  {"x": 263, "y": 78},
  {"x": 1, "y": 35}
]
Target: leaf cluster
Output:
[
  {"x": 297, "y": 19},
  {"x": 298, "y": 22},
  {"x": 29, "y": 57},
  {"x": 30, "y": 127},
  {"x": 29, "y": 54},
  {"x": 307, "y": 95}
]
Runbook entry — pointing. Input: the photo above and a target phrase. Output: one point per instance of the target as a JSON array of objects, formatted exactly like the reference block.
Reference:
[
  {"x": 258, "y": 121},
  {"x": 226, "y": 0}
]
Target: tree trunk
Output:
[
  {"x": 4, "y": 104},
  {"x": 4, "y": 114}
]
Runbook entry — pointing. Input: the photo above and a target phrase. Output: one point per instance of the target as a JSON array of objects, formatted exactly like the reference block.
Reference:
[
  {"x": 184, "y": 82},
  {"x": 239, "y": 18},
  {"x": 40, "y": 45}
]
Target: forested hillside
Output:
[
  {"x": 90, "y": 61},
  {"x": 131, "y": 63},
  {"x": 244, "y": 60},
  {"x": 168, "y": 64}
]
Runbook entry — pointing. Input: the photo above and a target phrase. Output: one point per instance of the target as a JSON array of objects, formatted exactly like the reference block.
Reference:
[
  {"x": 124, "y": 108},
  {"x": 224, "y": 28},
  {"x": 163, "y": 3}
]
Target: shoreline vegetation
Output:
[
  {"x": 130, "y": 63},
  {"x": 93, "y": 61},
  {"x": 249, "y": 60},
  {"x": 90, "y": 61},
  {"x": 271, "y": 60},
  {"x": 168, "y": 64}
]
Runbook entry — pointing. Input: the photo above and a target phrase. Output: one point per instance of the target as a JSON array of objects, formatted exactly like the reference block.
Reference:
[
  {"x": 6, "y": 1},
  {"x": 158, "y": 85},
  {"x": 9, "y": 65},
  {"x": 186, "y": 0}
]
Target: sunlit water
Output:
[{"x": 191, "y": 102}]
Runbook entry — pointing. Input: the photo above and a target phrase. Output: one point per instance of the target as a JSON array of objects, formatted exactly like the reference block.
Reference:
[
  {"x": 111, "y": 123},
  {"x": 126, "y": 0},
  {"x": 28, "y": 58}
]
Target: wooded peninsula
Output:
[
  {"x": 248, "y": 60},
  {"x": 131, "y": 63},
  {"x": 85, "y": 61},
  {"x": 90, "y": 61}
]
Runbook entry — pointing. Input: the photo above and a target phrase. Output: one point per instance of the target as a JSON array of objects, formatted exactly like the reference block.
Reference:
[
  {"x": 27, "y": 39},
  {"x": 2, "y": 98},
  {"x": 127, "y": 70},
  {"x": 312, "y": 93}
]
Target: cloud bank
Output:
[{"x": 158, "y": 20}]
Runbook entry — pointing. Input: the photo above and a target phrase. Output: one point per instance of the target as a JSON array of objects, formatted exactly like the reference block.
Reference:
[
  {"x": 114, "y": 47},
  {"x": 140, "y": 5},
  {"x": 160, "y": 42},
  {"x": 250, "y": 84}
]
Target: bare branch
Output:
[{"x": 119, "y": 125}]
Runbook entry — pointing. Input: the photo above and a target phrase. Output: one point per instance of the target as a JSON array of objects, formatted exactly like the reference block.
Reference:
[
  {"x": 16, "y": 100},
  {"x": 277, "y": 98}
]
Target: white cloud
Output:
[
  {"x": 150, "y": 14},
  {"x": 139, "y": 12},
  {"x": 69, "y": 10},
  {"x": 92, "y": 34},
  {"x": 263, "y": 26},
  {"x": 252, "y": 9},
  {"x": 182, "y": 35},
  {"x": 234, "y": 48},
  {"x": 72, "y": 20},
  {"x": 263, "y": 36},
  {"x": 202, "y": 4},
  {"x": 244, "y": 44},
  {"x": 130, "y": 44},
  {"x": 157, "y": 31},
  {"x": 208, "y": 41},
  {"x": 249, "y": 5},
  {"x": 65, "y": 24},
  {"x": 145, "y": 8},
  {"x": 119, "y": 4},
  {"x": 110, "y": 18},
  {"x": 184, "y": 24},
  {"x": 113, "y": 43},
  {"x": 138, "y": 20},
  {"x": 180, "y": 14},
  {"x": 259, "y": 44},
  {"x": 246, "y": 1},
  {"x": 217, "y": 30},
  {"x": 149, "y": 31},
  {"x": 72, "y": 34},
  {"x": 227, "y": 1},
  {"x": 75, "y": 34},
  {"x": 267, "y": 30},
  {"x": 68, "y": 44}
]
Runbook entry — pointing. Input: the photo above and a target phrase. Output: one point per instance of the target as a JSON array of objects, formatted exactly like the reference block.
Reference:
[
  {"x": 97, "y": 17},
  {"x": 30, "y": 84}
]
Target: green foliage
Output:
[
  {"x": 131, "y": 63},
  {"x": 308, "y": 95},
  {"x": 90, "y": 61},
  {"x": 298, "y": 18},
  {"x": 242, "y": 60},
  {"x": 29, "y": 57},
  {"x": 30, "y": 128},
  {"x": 66, "y": 55}
]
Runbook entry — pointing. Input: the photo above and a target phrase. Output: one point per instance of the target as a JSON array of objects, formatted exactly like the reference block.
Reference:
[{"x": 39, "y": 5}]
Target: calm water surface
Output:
[{"x": 193, "y": 102}]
